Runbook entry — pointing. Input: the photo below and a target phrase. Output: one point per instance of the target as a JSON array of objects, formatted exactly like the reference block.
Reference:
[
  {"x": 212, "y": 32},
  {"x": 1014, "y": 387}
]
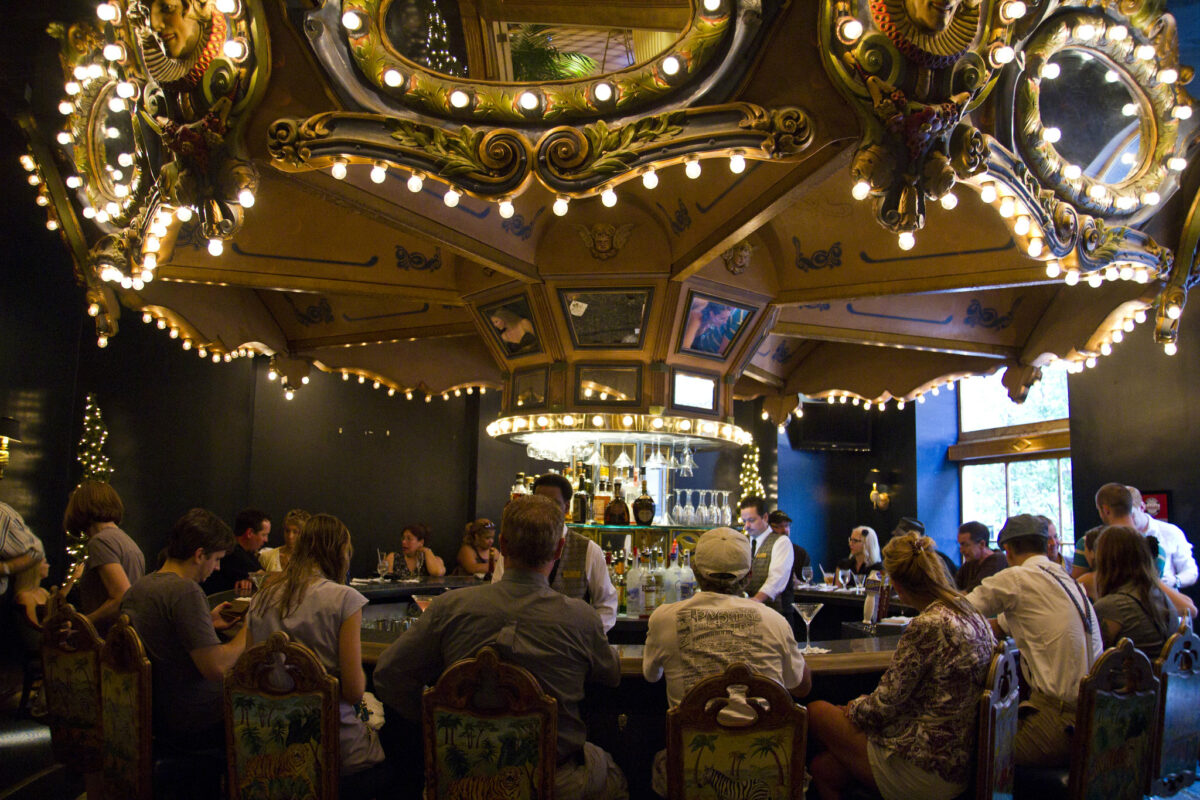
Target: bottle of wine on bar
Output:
[
  {"x": 643, "y": 507},
  {"x": 671, "y": 577}
]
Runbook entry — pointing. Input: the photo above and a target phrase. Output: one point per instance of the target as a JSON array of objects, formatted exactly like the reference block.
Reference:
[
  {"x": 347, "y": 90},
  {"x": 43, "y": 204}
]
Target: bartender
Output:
[
  {"x": 771, "y": 567},
  {"x": 580, "y": 570}
]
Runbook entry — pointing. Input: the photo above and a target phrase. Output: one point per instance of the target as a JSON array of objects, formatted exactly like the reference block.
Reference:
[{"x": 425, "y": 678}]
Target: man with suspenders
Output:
[{"x": 1056, "y": 630}]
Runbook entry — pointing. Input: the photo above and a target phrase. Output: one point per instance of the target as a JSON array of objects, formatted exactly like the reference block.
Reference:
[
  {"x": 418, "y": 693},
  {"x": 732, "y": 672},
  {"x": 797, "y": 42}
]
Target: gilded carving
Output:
[
  {"x": 931, "y": 33},
  {"x": 737, "y": 258},
  {"x": 604, "y": 241}
]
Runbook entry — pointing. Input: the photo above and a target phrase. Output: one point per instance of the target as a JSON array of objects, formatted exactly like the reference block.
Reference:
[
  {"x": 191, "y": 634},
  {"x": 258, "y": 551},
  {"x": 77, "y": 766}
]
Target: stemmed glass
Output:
[
  {"x": 807, "y": 611},
  {"x": 858, "y": 582},
  {"x": 679, "y": 513},
  {"x": 844, "y": 577},
  {"x": 807, "y": 574},
  {"x": 689, "y": 512},
  {"x": 382, "y": 567},
  {"x": 702, "y": 516},
  {"x": 698, "y": 511},
  {"x": 714, "y": 511},
  {"x": 726, "y": 510}
]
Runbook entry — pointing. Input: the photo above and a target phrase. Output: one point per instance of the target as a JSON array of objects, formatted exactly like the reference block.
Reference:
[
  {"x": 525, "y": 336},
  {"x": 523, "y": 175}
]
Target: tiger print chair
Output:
[
  {"x": 490, "y": 732},
  {"x": 281, "y": 724},
  {"x": 737, "y": 734}
]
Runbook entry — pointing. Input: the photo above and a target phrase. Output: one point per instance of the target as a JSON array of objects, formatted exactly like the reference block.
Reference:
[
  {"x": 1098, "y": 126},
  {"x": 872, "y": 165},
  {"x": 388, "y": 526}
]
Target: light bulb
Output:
[
  {"x": 1118, "y": 336},
  {"x": 1176, "y": 163},
  {"x": 1072, "y": 172},
  {"x": 603, "y": 92},
  {"x": 107, "y": 12},
  {"x": 393, "y": 77},
  {"x": 1117, "y": 33},
  {"x": 850, "y": 30},
  {"x": 1050, "y": 70},
  {"x": 987, "y": 192},
  {"x": 692, "y": 168},
  {"x": 147, "y": 276},
  {"x": 379, "y": 172},
  {"x": 126, "y": 89},
  {"x": 608, "y": 197},
  {"x": 246, "y": 198},
  {"x": 288, "y": 394},
  {"x": 528, "y": 101},
  {"x": 506, "y": 209},
  {"x": 95, "y": 71},
  {"x": 1128, "y": 326},
  {"x": 415, "y": 182},
  {"x": 1094, "y": 279},
  {"x": 1001, "y": 55},
  {"x": 1139, "y": 316},
  {"x": 451, "y": 197},
  {"x": 561, "y": 204},
  {"x": 113, "y": 52},
  {"x": 712, "y": 5},
  {"x": 234, "y": 49},
  {"x": 737, "y": 163},
  {"x": 1072, "y": 277},
  {"x": 215, "y": 247},
  {"x": 906, "y": 240},
  {"x": 949, "y": 201},
  {"x": 1021, "y": 225},
  {"x": 670, "y": 65},
  {"x": 1174, "y": 311},
  {"x": 352, "y": 21},
  {"x": 1170, "y": 348},
  {"x": 1053, "y": 269},
  {"x": 860, "y": 190},
  {"x": 1052, "y": 134},
  {"x": 1008, "y": 207},
  {"x": 116, "y": 104},
  {"x": 1150, "y": 199},
  {"x": 1085, "y": 31},
  {"x": 1168, "y": 76},
  {"x": 1182, "y": 112},
  {"x": 1035, "y": 247},
  {"x": 101, "y": 341},
  {"x": 1126, "y": 272},
  {"x": 183, "y": 213},
  {"x": 338, "y": 169},
  {"x": 227, "y": 6},
  {"x": 66, "y": 107},
  {"x": 1144, "y": 51},
  {"x": 147, "y": 317},
  {"x": 650, "y": 178},
  {"x": 459, "y": 98},
  {"x": 1012, "y": 10},
  {"x": 1090, "y": 362},
  {"x": 1105, "y": 349}
]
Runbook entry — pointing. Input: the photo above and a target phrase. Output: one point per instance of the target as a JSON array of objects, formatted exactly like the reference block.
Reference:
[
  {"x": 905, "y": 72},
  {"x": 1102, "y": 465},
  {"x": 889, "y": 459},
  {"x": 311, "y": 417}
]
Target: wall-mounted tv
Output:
[{"x": 831, "y": 426}]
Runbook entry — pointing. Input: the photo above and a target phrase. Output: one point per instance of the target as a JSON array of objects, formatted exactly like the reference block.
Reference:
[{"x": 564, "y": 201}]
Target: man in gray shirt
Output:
[
  {"x": 170, "y": 613},
  {"x": 559, "y": 639}
]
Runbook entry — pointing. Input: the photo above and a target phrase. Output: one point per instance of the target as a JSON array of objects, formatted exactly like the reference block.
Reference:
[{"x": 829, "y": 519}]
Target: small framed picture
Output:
[
  {"x": 694, "y": 391},
  {"x": 712, "y": 326},
  {"x": 1158, "y": 503},
  {"x": 606, "y": 318},
  {"x": 529, "y": 388},
  {"x": 511, "y": 322}
]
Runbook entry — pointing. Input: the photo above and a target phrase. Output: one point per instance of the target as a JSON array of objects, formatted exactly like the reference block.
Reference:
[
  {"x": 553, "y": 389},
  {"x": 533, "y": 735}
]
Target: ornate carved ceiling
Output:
[{"x": 837, "y": 197}]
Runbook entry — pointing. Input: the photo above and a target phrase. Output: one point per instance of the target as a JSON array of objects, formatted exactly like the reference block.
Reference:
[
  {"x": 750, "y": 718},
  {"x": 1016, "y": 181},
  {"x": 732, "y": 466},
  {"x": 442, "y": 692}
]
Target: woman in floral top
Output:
[
  {"x": 415, "y": 560},
  {"x": 914, "y": 735}
]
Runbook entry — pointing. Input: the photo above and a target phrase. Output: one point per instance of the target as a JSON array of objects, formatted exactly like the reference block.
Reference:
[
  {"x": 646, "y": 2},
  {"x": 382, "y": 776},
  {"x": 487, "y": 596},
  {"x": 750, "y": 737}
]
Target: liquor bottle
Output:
[
  {"x": 652, "y": 585},
  {"x": 581, "y": 507},
  {"x": 671, "y": 578},
  {"x": 687, "y": 578},
  {"x": 632, "y": 490},
  {"x": 634, "y": 599},
  {"x": 616, "y": 512},
  {"x": 518, "y": 487},
  {"x": 622, "y": 595},
  {"x": 643, "y": 507},
  {"x": 600, "y": 501}
]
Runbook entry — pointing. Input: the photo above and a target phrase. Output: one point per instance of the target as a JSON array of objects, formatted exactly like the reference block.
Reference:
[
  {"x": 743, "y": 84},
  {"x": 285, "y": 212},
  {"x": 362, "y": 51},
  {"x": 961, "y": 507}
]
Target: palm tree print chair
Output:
[
  {"x": 125, "y": 691},
  {"x": 71, "y": 666},
  {"x": 737, "y": 734},
  {"x": 281, "y": 724},
  {"x": 490, "y": 731}
]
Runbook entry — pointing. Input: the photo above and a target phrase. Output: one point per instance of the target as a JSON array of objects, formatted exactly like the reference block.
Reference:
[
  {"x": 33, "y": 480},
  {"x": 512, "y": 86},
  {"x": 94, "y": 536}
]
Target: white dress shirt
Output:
[
  {"x": 781, "y": 563},
  {"x": 1045, "y": 622},
  {"x": 1180, "y": 569},
  {"x": 603, "y": 593}
]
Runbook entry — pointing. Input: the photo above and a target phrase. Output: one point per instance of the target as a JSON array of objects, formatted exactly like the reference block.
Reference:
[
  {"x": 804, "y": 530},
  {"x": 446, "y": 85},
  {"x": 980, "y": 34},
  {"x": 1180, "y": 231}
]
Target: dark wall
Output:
[
  {"x": 825, "y": 492},
  {"x": 376, "y": 462},
  {"x": 1133, "y": 420}
]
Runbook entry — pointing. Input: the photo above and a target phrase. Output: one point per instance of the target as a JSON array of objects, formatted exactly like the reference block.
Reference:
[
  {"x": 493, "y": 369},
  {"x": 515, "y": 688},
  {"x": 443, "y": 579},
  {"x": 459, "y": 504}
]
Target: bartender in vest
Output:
[
  {"x": 771, "y": 558},
  {"x": 579, "y": 571}
]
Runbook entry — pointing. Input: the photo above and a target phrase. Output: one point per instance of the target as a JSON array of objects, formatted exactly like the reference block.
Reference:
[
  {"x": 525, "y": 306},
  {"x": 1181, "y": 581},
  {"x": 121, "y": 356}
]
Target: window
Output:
[{"x": 1015, "y": 458}]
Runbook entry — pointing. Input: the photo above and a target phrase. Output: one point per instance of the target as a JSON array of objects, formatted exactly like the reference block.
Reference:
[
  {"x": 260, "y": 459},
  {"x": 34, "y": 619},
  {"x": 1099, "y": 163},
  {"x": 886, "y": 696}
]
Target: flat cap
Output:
[
  {"x": 1022, "y": 525},
  {"x": 777, "y": 516}
]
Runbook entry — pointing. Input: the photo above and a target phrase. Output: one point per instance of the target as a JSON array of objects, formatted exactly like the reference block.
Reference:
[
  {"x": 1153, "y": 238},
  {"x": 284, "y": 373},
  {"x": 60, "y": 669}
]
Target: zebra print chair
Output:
[
  {"x": 736, "y": 735},
  {"x": 490, "y": 731}
]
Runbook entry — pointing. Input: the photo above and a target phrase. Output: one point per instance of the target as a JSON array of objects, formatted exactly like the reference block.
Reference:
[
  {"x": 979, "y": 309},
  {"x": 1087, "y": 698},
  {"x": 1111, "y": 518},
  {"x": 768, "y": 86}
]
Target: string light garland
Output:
[
  {"x": 95, "y": 464},
  {"x": 750, "y": 479}
]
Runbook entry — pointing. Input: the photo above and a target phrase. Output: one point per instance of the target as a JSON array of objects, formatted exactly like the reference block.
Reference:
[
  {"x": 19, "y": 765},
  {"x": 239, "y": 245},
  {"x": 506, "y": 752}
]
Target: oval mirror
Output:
[
  {"x": 112, "y": 146},
  {"x": 1095, "y": 107}
]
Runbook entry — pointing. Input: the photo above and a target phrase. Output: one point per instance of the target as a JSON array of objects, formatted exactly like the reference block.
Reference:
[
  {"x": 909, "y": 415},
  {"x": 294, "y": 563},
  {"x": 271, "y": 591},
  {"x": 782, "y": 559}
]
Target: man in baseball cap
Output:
[
  {"x": 718, "y": 626},
  {"x": 1049, "y": 616}
]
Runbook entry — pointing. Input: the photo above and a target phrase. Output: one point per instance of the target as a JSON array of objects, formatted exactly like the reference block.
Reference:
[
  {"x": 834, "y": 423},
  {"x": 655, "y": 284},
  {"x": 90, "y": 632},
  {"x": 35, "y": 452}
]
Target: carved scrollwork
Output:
[
  {"x": 789, "y": 132},
  {"x": 968, "y": 151}
]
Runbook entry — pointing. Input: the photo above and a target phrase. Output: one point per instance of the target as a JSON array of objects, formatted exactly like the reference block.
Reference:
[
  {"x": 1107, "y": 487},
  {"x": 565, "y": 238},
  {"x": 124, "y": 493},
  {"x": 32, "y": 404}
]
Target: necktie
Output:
[{"x": 753, "y": 548}]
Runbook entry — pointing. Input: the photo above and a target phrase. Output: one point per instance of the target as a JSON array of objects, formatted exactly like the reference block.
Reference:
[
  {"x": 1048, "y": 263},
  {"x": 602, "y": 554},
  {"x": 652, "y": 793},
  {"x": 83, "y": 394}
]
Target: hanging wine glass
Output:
[
  {"x": 672, "y": 462},
  {"x": 655, "y": 460},
  {"x": 689, "y": 511},
  {"x": 726, "y": 510},
  {"x": 714, "y": 511},
  {"x": 677, "y": 513}
]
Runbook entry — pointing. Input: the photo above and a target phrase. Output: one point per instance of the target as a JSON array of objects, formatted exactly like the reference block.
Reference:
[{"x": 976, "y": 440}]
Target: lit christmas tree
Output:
[
  {"x": 750, "y": 479},
  {"x": 437, "y": 46},
  {"x": 95, "y": 467}
]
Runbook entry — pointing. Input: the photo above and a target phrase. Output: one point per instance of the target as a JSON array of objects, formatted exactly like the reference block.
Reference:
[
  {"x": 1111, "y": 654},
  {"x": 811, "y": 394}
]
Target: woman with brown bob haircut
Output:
[
  {"x": 1130, "y": 603},
  {"x": 113, "y": 561},
  {"x": 915, "y": 734}
]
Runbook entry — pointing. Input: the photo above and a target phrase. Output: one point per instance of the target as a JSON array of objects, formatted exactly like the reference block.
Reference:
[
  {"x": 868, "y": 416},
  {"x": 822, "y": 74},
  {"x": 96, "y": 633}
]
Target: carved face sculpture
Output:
[
  {"x": 602, "y": 238},
  {"x": 175, "y": 24},
  {"x": 932, "y": 16}
]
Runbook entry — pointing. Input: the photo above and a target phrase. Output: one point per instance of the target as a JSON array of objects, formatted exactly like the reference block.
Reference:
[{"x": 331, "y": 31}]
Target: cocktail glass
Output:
[
  {"x": 382, "y": 567},
  {"x": 807, "y": 574},
  {"x": 858, "y": 581},
  {"x": 844, "y": 577},
  {"x": 423, "y": 600},
  {"x": 807, "y": 611}
]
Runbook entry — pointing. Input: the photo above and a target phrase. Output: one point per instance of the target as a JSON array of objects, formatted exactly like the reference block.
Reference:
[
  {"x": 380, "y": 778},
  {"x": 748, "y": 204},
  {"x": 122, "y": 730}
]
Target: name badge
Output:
[{"x": 572, "y": 573}]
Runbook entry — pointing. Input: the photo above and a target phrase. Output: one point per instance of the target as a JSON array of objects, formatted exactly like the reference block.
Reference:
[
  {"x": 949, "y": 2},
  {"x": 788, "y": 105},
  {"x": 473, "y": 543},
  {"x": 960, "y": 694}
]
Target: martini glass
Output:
[
  {"x": 858, "y": 582},
  {"x": 807, "y": 611},
  {"x": 423, "y": 600}
]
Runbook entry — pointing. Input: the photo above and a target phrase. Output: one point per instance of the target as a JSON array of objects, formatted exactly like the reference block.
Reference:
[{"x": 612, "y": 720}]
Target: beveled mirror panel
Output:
[{"x": 608, "y": 385}]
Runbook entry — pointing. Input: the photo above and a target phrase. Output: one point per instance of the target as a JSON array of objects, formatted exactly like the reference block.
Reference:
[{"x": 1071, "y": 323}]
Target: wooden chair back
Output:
[
  {"x": 71, "y": 678},
  {"x": 1116, "y": 718},
  {"x": 127, "y": 764},
  {"x": 736, "y": 734},
  {"x": 1177, "y": 742},
  {"x": 281, "y": 724},
  {"x": 995, "y": 762},
  {"x": 490, "y": 731}
]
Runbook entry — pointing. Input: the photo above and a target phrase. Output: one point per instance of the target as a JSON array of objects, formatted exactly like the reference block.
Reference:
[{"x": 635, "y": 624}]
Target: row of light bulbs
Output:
[
  {"x": 205, "y": 351},
  {"x": 608, "y": 195},
  {"x": 625, "y": 423}
]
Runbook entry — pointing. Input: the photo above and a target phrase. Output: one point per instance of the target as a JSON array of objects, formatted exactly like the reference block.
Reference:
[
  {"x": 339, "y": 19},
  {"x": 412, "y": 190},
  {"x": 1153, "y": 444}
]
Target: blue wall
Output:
[{"x": 939, "y": 502}]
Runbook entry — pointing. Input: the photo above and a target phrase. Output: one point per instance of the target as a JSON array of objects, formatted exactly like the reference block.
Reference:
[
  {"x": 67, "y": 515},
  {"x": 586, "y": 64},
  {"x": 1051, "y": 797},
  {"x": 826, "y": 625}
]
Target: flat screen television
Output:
[{"x": 831, "y": 426}]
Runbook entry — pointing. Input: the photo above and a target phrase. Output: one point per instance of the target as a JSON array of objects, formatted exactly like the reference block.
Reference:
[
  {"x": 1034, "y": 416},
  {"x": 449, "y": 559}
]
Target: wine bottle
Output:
[{"x": 643, "y": 507}]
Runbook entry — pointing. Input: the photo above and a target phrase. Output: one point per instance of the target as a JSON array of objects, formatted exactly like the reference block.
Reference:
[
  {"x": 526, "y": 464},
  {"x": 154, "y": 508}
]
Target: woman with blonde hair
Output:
[
  {"x": 113, "y": 561},
  {"x": 914, "y": 735},
  {"x": 310, "y": 603},
  {"x": 1130, "y": 602},
  {"x": 864, "y": 552},
  {"x": 274, "y": 559},
  {"x": 477, "y": 555}
]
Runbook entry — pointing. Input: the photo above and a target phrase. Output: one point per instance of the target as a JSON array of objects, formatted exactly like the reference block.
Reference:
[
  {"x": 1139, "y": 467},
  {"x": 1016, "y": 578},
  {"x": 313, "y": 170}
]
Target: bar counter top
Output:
[{"x": 845, "y": 656}]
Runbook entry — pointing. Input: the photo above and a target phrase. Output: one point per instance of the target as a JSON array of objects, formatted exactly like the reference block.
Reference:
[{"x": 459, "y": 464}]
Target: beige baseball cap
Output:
[{"x": 722, "y": 551}]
